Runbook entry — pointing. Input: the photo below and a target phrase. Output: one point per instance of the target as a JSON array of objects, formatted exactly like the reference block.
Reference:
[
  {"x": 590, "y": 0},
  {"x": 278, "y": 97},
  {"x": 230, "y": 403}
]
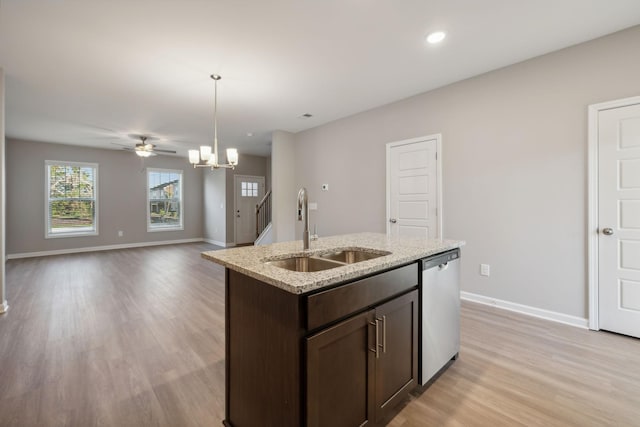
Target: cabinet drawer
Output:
[{"x": 336, "y": 303}]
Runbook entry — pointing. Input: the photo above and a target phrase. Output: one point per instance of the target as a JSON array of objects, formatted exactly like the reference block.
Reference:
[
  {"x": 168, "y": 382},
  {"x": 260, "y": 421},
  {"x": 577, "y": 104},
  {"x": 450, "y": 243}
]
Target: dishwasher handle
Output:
[{"x": 440, "y": 261}]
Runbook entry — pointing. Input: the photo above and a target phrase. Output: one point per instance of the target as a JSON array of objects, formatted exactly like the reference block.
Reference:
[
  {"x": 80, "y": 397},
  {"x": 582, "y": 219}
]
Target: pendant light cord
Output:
[{"x": 215, "y": 78}]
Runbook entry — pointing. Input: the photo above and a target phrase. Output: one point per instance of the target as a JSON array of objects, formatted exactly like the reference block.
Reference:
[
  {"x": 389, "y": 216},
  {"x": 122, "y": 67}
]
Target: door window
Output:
[{"x": 249, "y": 189}]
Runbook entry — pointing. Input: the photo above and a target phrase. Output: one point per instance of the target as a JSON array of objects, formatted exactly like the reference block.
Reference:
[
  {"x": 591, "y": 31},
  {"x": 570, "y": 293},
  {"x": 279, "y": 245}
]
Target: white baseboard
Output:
[
  {"x": 554, "y": 316},
  {"x": 101, "y": 248},
  {"x": 219, "y": 243},
  {"x": 4, "y": 307}
]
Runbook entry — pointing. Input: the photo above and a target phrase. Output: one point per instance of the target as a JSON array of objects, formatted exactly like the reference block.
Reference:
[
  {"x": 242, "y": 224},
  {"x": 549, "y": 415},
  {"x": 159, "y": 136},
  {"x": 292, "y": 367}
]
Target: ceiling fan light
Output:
[
  {"x": 143, "y": 153},
  {"x": 232, "y": 156},
  {"x": 205, "y": 152},
  {"x": 194, "y": 157}
]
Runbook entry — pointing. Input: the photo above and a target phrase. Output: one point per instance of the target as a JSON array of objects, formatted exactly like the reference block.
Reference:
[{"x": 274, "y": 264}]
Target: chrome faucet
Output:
[{"x": 303, "y": 215}]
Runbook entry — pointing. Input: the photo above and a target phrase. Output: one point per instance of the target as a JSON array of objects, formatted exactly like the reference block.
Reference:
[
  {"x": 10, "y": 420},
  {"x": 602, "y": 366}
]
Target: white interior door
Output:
[
  {"x": 414, "y": 188},
  {"x": 249, "y": 190},
  {"x": 619, "y": 219}
]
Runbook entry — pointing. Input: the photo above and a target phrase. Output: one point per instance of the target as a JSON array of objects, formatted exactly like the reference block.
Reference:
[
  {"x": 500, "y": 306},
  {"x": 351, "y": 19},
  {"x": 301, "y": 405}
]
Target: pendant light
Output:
[{"x": 205, "y": 158}]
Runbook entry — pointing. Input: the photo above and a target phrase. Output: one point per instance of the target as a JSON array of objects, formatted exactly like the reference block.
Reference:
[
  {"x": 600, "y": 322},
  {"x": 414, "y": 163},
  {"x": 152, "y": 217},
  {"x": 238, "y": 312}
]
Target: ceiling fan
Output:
[{"x": 146, "y": 149}]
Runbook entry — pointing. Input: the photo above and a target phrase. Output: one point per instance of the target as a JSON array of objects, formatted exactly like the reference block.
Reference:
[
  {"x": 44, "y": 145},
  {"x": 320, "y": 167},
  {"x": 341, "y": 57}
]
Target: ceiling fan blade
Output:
[
  {"x": 144, "y": 146},
  {"x": 121, "y": 145}
]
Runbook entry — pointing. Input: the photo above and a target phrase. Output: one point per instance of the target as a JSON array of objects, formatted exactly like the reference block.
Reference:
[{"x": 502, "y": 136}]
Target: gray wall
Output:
[
  {"x": 215, "y": 206},
  {"x": 3, "y": 298},
  {"x": 122, "y": 197},
  {"x": 267, "y": 182},
  {"x": 285, "y": 189},
  {"x": 514, "y": 164},
  {"x": 247, "y": 165}
]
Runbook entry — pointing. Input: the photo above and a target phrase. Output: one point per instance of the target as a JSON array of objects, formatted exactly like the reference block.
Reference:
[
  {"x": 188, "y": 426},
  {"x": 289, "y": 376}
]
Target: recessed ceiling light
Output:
[{"x": 436, "y": 37}]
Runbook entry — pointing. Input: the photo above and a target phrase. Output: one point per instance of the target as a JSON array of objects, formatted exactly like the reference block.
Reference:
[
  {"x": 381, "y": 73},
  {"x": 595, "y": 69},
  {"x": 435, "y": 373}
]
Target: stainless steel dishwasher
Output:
[{"x": 440, "y": 313}]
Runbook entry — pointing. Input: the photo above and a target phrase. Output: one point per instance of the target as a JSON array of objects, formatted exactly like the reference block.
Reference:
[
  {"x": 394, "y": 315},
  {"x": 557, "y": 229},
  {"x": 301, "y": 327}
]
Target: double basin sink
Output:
[{"x": 325, "y": 260}]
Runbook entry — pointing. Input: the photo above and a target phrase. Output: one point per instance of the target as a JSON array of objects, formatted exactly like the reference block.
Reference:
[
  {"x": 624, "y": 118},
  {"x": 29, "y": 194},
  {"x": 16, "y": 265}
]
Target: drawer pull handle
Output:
[
  {"x": 377, "y": 345},
  {"x": 384, "y": 333}
]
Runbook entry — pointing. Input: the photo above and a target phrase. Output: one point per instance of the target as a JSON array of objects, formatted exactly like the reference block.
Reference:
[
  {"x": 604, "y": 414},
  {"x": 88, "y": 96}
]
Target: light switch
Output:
[
  {"x": 313, "y": 206},
  {"x": 485, "y": 270}
]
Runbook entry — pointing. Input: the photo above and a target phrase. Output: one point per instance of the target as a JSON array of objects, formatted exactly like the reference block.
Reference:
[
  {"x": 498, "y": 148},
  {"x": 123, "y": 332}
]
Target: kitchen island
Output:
[{"x": 322, "y": 337}]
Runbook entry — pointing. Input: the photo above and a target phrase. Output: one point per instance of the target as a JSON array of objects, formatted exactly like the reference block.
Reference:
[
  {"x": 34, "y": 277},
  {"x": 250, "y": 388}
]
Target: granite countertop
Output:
[{"x": 249, "y": 260}]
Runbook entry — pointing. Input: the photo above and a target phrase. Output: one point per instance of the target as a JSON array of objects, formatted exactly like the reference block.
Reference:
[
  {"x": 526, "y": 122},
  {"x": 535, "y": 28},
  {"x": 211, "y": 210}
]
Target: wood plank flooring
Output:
[
  {"x": 136, "y": 338},
  {"x": 119, "y": 338},
  {"x": 516, "y": 370}
]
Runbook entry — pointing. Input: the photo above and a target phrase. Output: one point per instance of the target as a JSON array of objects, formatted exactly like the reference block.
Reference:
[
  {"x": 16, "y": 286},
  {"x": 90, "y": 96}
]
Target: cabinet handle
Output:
[
  {"x": 384, "y": 333},
  {"x": 375, "y": 349}
]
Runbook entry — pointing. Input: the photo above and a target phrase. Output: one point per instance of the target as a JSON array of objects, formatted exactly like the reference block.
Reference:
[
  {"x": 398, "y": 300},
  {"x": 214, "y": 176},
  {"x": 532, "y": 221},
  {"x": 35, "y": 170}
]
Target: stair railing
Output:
[{"x": 263, "y": 213}]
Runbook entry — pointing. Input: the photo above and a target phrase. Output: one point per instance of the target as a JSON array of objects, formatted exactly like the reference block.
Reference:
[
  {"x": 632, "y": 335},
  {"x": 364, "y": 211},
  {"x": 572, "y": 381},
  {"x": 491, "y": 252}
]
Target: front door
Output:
[
  {"x": 619, "y": 219},
  {"x": 249, "y": 190},
  {"x": 413, "y": 198}
]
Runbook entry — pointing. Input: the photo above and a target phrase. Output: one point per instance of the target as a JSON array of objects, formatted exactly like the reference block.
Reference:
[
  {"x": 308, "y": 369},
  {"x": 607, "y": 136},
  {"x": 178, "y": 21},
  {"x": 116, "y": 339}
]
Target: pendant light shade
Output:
[
  {"x": 232, "y": 156},
  {"x": 205, "y": 152},
  {"x": 194, "y": 156}
]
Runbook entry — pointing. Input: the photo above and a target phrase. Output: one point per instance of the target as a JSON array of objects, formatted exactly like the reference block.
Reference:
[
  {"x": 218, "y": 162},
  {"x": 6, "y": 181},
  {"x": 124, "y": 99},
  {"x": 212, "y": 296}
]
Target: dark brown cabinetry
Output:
[
  {"x": 339, "y": 387},
  {"x": 360, "y": 369},
  {"x": 396, "y": 369},
  {"x": 339, "y": 357}
]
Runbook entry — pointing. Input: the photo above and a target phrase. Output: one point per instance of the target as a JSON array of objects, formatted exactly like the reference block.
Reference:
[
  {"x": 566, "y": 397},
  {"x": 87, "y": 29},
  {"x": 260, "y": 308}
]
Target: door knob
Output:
[
  {"x": 393, "y": 220},
  {"x": 607, "y": 231}
]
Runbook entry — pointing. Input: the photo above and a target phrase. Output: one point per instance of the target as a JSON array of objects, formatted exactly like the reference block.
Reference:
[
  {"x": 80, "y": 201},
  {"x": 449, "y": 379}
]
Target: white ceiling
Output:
[{"x": 90, "y": 72}]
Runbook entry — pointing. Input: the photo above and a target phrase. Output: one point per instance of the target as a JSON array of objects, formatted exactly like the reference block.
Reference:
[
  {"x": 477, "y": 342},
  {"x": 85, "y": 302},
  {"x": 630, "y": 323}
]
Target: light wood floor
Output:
[{"x": 136, "y": 338}]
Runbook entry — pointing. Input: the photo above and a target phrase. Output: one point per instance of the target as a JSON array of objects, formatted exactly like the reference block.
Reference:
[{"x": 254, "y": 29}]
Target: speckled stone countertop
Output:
[{"x": 250, "y": 260}]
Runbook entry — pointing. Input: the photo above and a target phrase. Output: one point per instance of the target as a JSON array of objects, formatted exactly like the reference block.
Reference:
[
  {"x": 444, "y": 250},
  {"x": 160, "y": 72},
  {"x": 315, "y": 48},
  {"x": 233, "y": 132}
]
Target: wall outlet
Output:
[
  {"x": 485, "y": 270},
  {"x": 325, "y": 187},
  {"x": 120, "y": 233}
]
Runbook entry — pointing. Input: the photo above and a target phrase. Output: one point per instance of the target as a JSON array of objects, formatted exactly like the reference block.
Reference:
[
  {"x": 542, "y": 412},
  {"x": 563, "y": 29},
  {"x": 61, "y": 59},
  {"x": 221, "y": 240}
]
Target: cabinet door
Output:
[
  {"x": 396, "y": 364},
  {"x": 339, "y": 369}
]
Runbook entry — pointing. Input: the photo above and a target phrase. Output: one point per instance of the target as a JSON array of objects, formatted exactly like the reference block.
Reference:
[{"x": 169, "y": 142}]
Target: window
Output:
[
  {"x": 164, "y": 200},
  {"x": 249, "y": 189},
  {"x": 71, "y": 199}
]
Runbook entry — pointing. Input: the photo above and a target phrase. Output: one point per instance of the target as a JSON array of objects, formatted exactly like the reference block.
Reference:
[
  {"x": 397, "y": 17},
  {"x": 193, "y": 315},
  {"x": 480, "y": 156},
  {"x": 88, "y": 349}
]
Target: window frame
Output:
[
  {"x": 156, "y": 228},
  {"x": 47, "y": 187}
]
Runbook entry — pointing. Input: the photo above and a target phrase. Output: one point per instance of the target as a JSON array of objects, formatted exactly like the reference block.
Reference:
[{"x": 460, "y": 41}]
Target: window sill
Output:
[
  {"x": 155, "y": 229},
  {"x": 67, "y": 234}
]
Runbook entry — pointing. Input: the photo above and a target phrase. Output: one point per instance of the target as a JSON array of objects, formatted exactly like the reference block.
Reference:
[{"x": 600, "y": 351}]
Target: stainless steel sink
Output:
[
  {"x": 352, "y": 255},
  {"x": 324, "y": 261},
  {"x": 305, "y": 264}
]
